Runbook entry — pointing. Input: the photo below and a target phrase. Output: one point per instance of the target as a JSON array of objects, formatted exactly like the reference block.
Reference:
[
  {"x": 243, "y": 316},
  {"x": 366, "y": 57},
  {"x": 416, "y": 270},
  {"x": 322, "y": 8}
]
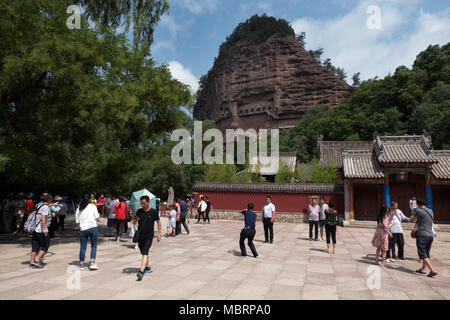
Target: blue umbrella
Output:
[{"x": 135, "y": 201}]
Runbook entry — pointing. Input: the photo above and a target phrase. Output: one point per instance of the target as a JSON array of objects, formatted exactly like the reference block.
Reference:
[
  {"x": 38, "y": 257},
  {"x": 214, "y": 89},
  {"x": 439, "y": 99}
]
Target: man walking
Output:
[
  {"x": 40, "y": 240},
  {"x": 249, "y": 231},
  {"x": 201, "y": 209},
  {"x": 146, "y": 217},
  {"x": 184, "y": 213},
  {"x": 424, "y": 236},
  {"x": 268, "y": 217},
  {"x": 314, "y": 211},
  {"x": 208, "y": 209}
]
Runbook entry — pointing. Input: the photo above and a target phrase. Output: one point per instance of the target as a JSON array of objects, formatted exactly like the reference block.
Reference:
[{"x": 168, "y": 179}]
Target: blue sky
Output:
[{"x": 189, "y": 37}]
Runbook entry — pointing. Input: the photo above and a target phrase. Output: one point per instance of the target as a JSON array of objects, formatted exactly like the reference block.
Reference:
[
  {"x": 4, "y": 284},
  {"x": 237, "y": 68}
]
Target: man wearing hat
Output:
[{"x": 61, "y": 211}]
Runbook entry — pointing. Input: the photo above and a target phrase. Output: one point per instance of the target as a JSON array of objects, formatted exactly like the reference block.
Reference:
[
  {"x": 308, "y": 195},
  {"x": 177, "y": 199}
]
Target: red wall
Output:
[{"x": 284, "y": 202}]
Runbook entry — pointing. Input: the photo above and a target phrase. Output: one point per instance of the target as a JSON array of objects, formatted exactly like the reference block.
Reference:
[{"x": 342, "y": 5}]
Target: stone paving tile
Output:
[
  {"x": 319, "y": 292},
  {"x": 207, "y": 265}
]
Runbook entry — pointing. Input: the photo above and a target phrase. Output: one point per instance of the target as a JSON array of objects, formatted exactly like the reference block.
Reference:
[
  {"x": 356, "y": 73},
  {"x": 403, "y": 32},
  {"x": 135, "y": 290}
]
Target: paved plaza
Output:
[{"x": 207, "y": 265}]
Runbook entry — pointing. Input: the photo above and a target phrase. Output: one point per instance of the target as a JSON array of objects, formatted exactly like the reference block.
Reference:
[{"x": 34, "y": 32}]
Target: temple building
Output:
[{"x": 390, "y": 168}]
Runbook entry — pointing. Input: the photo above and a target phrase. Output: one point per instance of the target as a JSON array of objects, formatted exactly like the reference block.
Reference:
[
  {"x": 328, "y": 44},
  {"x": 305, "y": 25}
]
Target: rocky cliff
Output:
[{"x": 269, "y": 85}]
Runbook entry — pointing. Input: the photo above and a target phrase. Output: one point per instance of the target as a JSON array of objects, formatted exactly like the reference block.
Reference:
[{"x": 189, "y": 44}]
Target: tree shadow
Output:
[{"x": 131, "y": 270}]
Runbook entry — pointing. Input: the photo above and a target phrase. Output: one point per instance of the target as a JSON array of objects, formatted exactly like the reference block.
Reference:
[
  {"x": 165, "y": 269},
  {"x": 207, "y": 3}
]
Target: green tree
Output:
[{"x": 78, "y": 107}]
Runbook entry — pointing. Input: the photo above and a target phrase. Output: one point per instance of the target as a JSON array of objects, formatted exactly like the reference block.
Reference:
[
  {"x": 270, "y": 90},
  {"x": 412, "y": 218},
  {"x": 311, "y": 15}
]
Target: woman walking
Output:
[
  {"x": 330, "y": 226},
  {"x": 120, "y": 210},
  {"x": 86, "y": 217},
  {"x": 380, "y": 239}
]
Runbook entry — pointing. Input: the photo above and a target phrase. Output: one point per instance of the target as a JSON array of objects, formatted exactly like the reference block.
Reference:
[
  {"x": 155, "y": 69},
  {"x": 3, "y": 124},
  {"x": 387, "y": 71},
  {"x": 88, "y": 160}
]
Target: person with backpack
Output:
[
  {"x": 208, "y": 210},
  {"x": 86, "y": 218},
  {"x": 424, "y": 236},
  {"x": 38, "y": 223},
  {"x": 330, "y": 226},
  {"x": 120, "y": 210}
]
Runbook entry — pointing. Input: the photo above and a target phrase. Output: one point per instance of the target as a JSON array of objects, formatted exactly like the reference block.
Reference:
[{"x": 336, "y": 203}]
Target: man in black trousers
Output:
[
  {"x": 268, "y": 217},
  {"x": 249, "y": 231}
]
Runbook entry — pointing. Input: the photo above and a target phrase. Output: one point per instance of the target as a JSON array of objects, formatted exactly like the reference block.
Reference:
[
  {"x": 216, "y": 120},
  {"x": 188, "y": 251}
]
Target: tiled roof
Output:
[
  {"x": 269, "y": 187},
  {"x": 331, "y": 151},
  {"x": 268, "y": 167},
  {"x": 441, "y": 170},
  {"x": 406, "y": 149},
  {"x": 361, "y": 164}
]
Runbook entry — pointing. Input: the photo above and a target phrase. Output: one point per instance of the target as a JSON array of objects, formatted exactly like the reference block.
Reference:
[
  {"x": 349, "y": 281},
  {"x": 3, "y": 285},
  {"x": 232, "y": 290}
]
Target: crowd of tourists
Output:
[
  {"x": 44, "y": 215},
  {"x": 389, "y": 234},
  {"x": 14, "y": 211}
]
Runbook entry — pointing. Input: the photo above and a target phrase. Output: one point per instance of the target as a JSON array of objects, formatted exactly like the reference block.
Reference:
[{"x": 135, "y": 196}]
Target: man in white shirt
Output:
[
  {"x": 201, "y": 209},
  {"x": 397, "y": 216},
  {"x": 268, "y": 217},
  {"x": 323, "y": 208}
]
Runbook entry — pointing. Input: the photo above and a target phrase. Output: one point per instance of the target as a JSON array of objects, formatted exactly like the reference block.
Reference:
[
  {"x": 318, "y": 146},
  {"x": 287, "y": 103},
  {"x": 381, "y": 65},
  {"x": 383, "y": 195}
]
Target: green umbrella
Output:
[{"x": 135, "y": 201}]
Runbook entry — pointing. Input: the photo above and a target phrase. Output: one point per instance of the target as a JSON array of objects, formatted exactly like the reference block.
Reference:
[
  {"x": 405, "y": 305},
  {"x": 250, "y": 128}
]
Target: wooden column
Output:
[
  {"x": 428, "y": 191},
  {"x": 347, "y": 199},
  {"x": 387, "y": 190},
  {"x": 351, "y": 213}
]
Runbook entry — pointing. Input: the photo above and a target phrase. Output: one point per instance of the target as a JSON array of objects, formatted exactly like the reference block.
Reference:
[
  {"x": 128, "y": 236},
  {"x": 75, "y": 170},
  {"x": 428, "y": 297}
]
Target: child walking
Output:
[{"x": 172, "y": 223}]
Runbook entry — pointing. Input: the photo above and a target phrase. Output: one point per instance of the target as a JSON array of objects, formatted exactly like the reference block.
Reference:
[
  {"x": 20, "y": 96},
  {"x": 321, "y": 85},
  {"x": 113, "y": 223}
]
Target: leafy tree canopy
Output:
[{"x": 79, "y": 108}]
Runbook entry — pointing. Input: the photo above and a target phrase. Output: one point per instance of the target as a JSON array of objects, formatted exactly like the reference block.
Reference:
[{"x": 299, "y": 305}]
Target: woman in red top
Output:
[{"x": 121, "y": 209}]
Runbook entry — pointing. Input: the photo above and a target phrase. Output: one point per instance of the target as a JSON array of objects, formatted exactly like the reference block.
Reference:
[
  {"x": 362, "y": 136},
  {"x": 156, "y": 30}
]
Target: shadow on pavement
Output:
[
  {"x": 235, "y": 252},
  {"x": 131, "y": 270},
  {"x": 320, "y": 250}
]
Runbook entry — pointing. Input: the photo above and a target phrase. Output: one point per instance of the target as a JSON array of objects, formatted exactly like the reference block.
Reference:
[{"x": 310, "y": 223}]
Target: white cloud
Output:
[
  {"x": 350, "y": 44},
  {"x": 169, "y": 23},
  {"x": 199, "y": 6},
  {"x": 183, "y": 75},
  {"x": 266, "y": 7}
]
